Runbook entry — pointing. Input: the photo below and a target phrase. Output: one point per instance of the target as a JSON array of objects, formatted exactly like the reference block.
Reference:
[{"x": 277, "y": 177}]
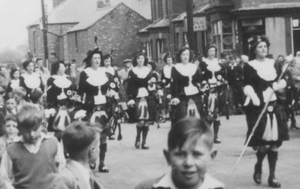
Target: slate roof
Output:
[
  {"x": 92, "y": 18},
  {"x": 75, "y": 11},
  {"x": 270, "y": 6},
  {"x": 200, "y": 9}
]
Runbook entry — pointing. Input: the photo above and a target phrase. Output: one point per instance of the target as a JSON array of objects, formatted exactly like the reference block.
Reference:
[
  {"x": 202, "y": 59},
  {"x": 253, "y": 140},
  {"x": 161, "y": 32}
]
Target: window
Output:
[
  {"x": 223, "y": 35},
  {"x": 160, "y": 8},
  {"x": 149, "y": 49},
  {"x": 34, "y": 41},
  {"x": 76, "y": 42}
]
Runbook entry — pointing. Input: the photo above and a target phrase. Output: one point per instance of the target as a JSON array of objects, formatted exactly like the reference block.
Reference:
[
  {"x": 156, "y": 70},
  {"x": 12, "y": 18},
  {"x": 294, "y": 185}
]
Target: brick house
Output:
[
  {"x": 73, "y": 25},
  {"x": 228, "y": 24}
]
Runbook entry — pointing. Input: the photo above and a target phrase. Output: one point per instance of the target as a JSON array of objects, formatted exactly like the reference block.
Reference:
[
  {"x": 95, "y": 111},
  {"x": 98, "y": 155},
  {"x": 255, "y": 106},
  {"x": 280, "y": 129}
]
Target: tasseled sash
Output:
[
  {"x": 192, "y": 109},
  {"x": 143, "y": 113},
  {"x": 271, "y": 130},
  {"x": 62, "y": 119}
]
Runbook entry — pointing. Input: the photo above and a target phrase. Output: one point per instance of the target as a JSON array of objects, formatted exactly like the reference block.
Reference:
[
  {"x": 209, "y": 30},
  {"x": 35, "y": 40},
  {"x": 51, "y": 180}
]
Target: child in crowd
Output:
[
  {"x": 8, "y": 109},
  {"x": 10, "y": 132},
  {"x": 31, "y": 163},
  {"x": 82, "y": 143},
  {"x": 190, "y": 150},
  {"x": 20, "y": 94}
]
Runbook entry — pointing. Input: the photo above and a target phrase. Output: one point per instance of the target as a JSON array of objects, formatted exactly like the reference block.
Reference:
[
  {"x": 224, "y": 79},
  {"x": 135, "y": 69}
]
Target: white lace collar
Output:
[
  {"x": 141, "y": 72},
  {"x": 167, "y": 70},
  {"x": 97, "y": 77},
  {"x": 188, "y": 69},
  {"x": 110, "y": 70},
  {"x": 212, "y": 65},
  {"x": 32, "y": 81},
  {"x": 61, "y": 81},
  {"x": 265, "y": 70},
  {"x": 15, "y": 83}
]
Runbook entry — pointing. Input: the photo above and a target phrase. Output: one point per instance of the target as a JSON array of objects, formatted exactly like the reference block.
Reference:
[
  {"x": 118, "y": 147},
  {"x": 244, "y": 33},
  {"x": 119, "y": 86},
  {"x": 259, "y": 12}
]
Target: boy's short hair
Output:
[
  {"x": 10, "y": 117},
  {"x": 78, "y": 136},
  {"x": 30, "y": 116},
  {"x": 189, "y": 128}
]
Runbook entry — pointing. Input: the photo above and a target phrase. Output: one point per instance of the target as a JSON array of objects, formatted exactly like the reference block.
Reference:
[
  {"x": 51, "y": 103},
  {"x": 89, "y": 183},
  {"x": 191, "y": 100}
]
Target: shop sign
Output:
[{"x": 200, "y": 24}]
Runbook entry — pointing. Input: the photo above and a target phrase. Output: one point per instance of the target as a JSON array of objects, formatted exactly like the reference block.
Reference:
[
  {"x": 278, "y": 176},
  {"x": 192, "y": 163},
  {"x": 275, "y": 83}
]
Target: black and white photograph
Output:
[{"x": 149, "y": 94}]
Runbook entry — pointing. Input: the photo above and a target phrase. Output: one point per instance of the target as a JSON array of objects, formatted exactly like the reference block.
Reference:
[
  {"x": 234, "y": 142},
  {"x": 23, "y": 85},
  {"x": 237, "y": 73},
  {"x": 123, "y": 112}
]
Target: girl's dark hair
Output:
[
  {"x": 26, "y": 63},
  {"x": 107, "y": 56},
  {"x": 134, "y": 61},
  {"x": 55, "y": 67},
  {"x": 253, "y": 44},
  {"x": 210, "y": 47},
  {"x": 153, "y": 65},
  {"x": 90, "y": 56},
  {"x": 12, "y": 72},
  {"x": 189, "y": 128},
  {"x": 168, "y": 55},
  {"x": 178, "y": 57}
]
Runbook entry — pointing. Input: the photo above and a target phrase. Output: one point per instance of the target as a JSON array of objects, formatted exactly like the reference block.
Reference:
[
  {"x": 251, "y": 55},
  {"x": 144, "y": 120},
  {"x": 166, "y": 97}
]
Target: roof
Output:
[
  {"x": 73, "y": 11},
  {"x": 161, "y": 23},
  {"x": 198, "y": 10},
  {"x": 90, "y": 19},
  {"x": 270, "y": 6}
]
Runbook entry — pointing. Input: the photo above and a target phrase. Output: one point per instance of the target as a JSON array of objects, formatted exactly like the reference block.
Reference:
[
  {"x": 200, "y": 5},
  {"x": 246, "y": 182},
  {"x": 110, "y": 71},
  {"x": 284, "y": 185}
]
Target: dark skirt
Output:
[
  {"x": 182, "y": 109},
  {"x": 252, "y": 114}
]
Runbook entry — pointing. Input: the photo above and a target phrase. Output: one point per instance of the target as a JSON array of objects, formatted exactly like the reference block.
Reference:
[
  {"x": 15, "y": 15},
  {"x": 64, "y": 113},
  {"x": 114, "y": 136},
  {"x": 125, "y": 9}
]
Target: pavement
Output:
[{"x": 129, "y": 166}]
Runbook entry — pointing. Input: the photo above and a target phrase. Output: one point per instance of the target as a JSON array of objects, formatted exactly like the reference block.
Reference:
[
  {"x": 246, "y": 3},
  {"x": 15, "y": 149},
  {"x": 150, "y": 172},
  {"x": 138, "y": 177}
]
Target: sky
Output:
[{"x": 15, "y": 15}]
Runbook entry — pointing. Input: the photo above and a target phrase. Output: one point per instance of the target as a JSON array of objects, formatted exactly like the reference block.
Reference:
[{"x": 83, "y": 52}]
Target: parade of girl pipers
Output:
[{"x": 149, "y": 94}]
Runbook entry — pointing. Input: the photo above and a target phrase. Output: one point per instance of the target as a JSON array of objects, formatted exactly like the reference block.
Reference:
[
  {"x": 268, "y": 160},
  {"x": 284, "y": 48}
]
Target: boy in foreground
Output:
[
  {"x": 190, "y": 150},
  {"x": 82, "y": 143},
  {"x": 31, "y": 162}
]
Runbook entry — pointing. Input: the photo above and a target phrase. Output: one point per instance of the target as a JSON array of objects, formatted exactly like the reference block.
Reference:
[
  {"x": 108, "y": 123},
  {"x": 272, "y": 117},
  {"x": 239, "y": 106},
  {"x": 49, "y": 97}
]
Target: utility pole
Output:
[
  {"x": 171, "y": 29},
  {"x": 44, "y": 24},
  {"x": 191, "y": 37}
]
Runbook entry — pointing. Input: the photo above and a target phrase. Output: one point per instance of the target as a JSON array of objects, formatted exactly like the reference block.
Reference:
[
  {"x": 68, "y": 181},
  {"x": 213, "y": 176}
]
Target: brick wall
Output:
[
  {"x": 118, "y": 32},
  {"x": 55, "y": 42}
]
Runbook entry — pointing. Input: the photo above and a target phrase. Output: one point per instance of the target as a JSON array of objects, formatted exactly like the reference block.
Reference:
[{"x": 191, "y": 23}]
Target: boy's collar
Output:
[
  {"x": 43, "y": 136},
  {"x": 208, "y": 183}
]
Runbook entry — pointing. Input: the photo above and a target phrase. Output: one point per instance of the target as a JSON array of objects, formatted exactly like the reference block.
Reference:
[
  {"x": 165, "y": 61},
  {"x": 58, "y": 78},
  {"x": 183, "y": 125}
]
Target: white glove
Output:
[
  {"x": 175, "y": 101},
  {"x": 160, "y": 92},
  {"x": 168, "y": 96},
  {"x": 130, "y": 102},
  {"x": 279, "y": 85},
  {"x": 49, "y": 112},
  {"x": 249, "y": 92},
  {"x": 80, "y": 114}
]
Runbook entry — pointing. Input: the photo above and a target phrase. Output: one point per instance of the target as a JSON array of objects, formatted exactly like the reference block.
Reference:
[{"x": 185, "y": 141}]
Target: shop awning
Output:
[{"x": 268, "y": 6}]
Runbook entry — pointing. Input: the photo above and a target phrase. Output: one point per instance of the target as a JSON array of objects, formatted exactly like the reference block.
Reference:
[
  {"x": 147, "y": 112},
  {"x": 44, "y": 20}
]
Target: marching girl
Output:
[
  {"x": 113, "y": 98},
  {"x": 94, "y": 84},
  {"x": 214, "y": 77},
  {"x": 186, "y": 96},
  {"x": 166, "y": 80},
  {"x": 261, "y": 81},
  {"x": 59, "y": 99},
  {"x": 31, "y": 82},
  {"x": 138, "y": 93},
  {"x": 15, "y": 80}
]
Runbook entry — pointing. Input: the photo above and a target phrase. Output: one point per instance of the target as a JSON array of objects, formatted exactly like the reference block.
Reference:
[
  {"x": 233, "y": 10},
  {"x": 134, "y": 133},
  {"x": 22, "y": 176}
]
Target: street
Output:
[{"x": 129, "y": 166}]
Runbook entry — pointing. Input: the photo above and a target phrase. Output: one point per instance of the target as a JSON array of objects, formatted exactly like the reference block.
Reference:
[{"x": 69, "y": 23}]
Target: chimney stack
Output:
[
  {"x": 102, "y": 4},
  {"x": 57, "y": 2}
]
